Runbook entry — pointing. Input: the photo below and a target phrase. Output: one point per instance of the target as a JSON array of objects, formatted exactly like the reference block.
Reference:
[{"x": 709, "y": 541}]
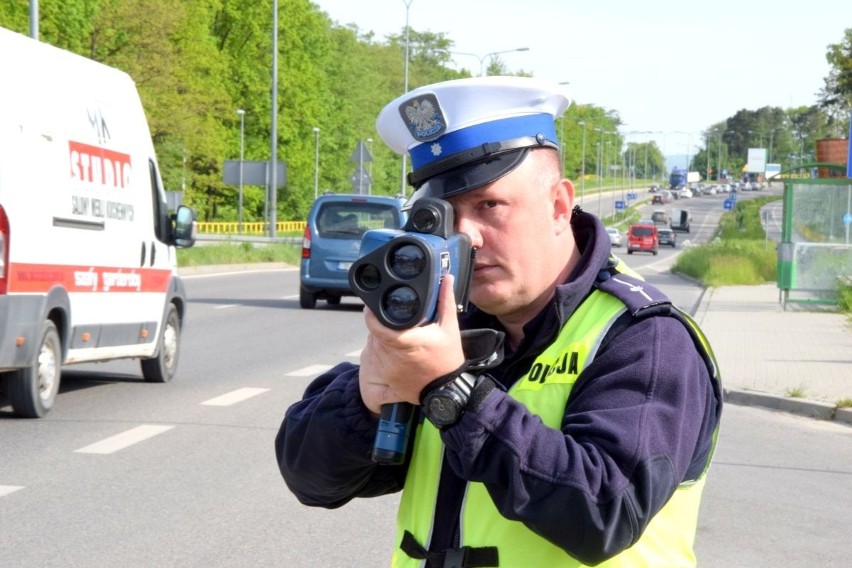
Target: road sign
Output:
[
  {"x": 619, "y": 205},
  {"x": 254, "y": 173},
  {"x": 847, "y": 219},
  {"x": 728, "y": 204},
  {"x": 631, "y": 195}
]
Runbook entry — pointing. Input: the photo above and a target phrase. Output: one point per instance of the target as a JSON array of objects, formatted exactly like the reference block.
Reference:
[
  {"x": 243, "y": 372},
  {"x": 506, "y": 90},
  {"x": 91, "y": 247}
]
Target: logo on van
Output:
[
  {"x": 97, "y": 121},
  {"x": 92, "y": 164}
]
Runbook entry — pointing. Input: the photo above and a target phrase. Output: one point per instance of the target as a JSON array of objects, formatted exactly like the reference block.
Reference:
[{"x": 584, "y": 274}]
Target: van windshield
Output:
[{"x": 353, "y": 219}]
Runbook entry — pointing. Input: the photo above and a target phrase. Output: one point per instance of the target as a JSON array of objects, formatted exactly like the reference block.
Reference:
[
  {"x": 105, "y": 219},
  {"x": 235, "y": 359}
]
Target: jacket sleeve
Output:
[
  {"x": 638, "y": 417},
  {"x": 323, "y": 446}
]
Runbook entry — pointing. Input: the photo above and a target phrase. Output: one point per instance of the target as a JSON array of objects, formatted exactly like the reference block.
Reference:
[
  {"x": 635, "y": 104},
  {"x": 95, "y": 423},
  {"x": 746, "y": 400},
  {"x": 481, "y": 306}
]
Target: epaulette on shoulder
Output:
[{"x": 641, "y": 298}]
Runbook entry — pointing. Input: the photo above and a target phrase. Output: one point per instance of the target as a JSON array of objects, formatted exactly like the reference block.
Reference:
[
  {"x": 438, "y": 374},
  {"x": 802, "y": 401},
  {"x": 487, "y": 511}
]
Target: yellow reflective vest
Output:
[{"x": 668, "y": 538}]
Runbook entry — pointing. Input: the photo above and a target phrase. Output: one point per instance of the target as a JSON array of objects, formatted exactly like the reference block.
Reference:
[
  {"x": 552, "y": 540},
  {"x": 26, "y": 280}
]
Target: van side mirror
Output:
[{"x": 183, "y": 227}]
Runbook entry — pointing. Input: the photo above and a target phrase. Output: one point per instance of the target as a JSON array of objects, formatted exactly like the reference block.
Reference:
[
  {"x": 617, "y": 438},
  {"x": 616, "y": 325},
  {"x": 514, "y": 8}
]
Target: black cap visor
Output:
[{"x": 467, "y": 171}]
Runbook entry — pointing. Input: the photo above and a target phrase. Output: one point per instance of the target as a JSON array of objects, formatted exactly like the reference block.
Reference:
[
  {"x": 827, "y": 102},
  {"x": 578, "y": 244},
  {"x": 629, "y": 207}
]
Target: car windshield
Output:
[{"x": 353, "y": 219}]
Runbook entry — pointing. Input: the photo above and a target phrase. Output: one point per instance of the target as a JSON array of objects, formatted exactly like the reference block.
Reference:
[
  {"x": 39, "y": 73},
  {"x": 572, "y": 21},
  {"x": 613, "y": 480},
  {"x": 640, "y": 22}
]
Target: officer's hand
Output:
[{"x": 397, "y": 364}]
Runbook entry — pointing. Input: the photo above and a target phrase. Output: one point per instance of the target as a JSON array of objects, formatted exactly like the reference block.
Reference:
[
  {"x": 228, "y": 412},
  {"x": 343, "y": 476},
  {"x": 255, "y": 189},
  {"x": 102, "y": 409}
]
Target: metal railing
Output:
[{"x": 258, "y": 228}]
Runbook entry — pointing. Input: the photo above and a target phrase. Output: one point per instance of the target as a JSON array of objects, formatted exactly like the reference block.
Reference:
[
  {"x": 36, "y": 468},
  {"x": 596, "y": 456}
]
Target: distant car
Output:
[
  {"x": 332, "y": 242},
  {"x": 665, "y": 196},
  {"x": 660, "y": 217},
  {"x": 654, "y": 188},
  {"x": 667, "y": 237},
  {"x": 615, "y": 237},
  {"x": 642, "y": 237},
  {"x": 684, "y": 193}
]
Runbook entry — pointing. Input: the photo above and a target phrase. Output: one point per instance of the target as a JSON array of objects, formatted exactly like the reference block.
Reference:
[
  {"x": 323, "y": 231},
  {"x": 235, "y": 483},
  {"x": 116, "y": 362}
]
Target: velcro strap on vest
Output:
[{"x": 464, "y": 557}]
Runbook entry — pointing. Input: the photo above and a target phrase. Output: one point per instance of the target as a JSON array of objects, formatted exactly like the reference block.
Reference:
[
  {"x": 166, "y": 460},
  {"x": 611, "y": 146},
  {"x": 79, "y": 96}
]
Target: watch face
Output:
[{"x": 442, "y": 410}]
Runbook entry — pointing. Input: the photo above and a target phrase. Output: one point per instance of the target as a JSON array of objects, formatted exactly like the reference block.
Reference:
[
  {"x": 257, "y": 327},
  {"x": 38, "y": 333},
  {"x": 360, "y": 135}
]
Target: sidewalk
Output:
[{"x": 766, "y": 353}]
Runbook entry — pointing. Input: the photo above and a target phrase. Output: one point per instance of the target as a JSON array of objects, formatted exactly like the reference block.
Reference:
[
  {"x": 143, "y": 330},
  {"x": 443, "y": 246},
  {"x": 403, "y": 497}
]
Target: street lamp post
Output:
[
  {"x": 487, "y": 55},
  {"x": 600, "y": 168},
  {"x": 242, "y": 114},
  {"x": 370, "y": 166},
  {"x": 316, "y": 161},
  {"x": 583, "y": 168},
  {"x": 771, "y": 139},
  {"x": 492, "y": 54},
  {"x": 405, "y": 90}
]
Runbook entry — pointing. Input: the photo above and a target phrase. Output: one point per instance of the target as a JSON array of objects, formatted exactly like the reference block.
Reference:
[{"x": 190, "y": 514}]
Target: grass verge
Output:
[
  {"x": 239, "y": 253},
  {"x": 738, "y": 254}
]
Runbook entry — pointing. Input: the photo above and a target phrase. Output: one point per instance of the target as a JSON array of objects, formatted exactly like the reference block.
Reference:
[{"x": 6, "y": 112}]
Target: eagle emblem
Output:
[{"x": 424, "y": 117}]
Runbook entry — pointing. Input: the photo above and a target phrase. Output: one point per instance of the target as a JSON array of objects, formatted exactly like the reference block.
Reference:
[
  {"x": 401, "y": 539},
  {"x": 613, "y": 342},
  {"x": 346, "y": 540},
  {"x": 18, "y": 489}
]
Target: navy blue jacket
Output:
[{"x": 639, "y": 421}]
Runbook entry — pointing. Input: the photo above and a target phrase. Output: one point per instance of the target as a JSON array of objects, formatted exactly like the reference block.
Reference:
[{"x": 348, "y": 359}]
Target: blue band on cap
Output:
[{"x": 473, "y": 136}]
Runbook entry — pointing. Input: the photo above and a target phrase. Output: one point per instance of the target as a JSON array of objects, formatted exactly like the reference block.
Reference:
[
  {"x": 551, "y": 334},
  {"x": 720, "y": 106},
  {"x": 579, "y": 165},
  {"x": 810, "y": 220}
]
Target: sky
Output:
[{"x": 669, "y": 67}]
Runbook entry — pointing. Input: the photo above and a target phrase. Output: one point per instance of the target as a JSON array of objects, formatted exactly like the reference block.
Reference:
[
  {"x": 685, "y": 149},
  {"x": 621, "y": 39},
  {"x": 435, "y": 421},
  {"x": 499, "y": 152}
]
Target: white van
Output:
[{"x": 87, "y": 245}]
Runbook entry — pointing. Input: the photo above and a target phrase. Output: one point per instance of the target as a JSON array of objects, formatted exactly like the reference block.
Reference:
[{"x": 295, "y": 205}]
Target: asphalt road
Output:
[{"x": 126, "y": 473}]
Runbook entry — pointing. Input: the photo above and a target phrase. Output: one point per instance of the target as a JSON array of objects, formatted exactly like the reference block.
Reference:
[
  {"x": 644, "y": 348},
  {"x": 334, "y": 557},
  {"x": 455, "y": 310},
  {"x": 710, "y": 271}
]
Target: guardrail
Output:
[{"x": 254, "y": 228}]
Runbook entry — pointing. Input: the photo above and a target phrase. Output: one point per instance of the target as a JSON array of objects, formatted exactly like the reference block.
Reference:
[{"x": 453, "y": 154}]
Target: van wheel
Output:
[
  {"x": 161, "y": 368},
  {"x": 307, "y": 300},
  {"x": 32, "y": 390}
]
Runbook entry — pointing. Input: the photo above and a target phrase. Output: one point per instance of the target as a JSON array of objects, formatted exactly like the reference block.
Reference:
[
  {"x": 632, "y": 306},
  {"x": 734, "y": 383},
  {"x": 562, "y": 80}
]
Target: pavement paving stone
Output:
[{"x": 794, "y": 359}]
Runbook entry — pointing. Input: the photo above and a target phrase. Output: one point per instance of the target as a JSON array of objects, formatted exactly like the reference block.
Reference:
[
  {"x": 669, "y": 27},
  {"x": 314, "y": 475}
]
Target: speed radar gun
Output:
[{"x": 398, "y": 276}]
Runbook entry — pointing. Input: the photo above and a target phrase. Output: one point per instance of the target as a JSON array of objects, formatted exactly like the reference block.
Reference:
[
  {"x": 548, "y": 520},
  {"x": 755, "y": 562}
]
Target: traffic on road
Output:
[{"x": 126, "y": 472}]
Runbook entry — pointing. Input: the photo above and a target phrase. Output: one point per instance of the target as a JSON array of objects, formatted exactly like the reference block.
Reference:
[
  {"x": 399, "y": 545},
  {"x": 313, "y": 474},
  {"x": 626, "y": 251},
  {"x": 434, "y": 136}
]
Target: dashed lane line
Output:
[
  {"x": 309, "y": 371},
  {"x": 6, "y": 489},
  {"x": 124, "y": 440},
  {"x": 234, "y": 397}
]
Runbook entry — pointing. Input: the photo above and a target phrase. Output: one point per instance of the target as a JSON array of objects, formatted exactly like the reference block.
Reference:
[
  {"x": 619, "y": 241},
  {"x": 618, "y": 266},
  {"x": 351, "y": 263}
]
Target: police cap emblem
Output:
[{"x": 424, "y": 117}]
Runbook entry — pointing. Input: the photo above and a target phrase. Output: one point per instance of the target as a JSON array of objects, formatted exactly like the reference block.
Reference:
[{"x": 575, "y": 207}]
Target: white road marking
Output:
[
  {"x": 225, "y": 306},
  {"x": 234, "y": 397},
  {"x": 309, "y": 371},
  {"x": 6, "y": 489},
  {"x": 124, "y": 440}
]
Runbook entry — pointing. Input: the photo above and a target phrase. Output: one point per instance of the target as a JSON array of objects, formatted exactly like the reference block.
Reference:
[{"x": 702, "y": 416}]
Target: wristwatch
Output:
[{"x": 444, "y": 405}]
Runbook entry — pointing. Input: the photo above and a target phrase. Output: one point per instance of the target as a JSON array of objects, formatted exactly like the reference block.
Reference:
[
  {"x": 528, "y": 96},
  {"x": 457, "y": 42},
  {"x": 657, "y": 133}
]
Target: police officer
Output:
[{"x": 589, "y": 436}]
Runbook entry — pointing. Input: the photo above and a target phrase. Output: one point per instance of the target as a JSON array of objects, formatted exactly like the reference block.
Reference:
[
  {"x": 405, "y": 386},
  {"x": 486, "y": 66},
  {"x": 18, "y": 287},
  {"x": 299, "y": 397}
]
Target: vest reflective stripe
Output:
[{"x": 669, "y": 537}]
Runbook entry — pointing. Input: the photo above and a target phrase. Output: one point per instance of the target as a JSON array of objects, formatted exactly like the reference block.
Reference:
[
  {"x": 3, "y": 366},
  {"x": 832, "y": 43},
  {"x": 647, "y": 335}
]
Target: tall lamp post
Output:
[
  {"x": 405, "y": 90},
  {"x": 316, "y": 161},
  {"x": 242, "y": 114},
  {"x": 487, "y": 55},
  {"x": 600, "y": 168},
  {"x": 370, "y": 166},
  {"x": 583, "y": 169},
  {"x": 494, "y": 53}
]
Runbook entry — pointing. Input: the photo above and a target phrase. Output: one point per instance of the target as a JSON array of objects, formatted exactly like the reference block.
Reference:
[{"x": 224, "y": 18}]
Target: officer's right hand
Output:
[{"x": 397, "y": 364}]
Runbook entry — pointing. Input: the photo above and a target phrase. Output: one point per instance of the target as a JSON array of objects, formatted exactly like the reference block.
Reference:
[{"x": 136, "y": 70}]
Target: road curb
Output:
[
  {"x": 228, "y": 268},
  {"x": 799, "y": 406}
]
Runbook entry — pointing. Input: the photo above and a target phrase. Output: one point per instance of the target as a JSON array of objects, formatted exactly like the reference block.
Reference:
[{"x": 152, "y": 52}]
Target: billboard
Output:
[
  {"x": 772, "y": 170},
  {"x": 756, "y": 161}
]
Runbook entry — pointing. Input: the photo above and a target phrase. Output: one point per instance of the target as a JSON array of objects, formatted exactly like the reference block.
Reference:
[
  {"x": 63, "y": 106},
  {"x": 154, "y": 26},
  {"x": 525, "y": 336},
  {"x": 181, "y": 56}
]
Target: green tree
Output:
[{"x": 836, "y": 95}]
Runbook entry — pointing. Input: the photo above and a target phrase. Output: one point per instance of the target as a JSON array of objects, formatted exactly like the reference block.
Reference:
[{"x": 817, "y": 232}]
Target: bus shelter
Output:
[{"x": 815, "y": 252}]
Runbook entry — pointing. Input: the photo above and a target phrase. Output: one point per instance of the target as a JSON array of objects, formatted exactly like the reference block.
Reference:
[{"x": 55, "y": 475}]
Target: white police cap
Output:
[{"x": 467, "y": 133}]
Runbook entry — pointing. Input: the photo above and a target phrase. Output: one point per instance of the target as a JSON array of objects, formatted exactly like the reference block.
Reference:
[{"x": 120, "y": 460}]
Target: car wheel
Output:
[
  {"x": 161, "y": 368},
  {"x": 333, "y": 300},
  {"x": 307, "y": 299},
  {"x": 629, "y": 251},
  {"x": 655, "y": 252},
  {"x": 32, "y": 390}
]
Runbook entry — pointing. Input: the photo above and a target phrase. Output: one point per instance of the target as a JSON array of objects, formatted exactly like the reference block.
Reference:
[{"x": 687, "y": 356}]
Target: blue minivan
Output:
[{"x": 332, "y": 241}]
